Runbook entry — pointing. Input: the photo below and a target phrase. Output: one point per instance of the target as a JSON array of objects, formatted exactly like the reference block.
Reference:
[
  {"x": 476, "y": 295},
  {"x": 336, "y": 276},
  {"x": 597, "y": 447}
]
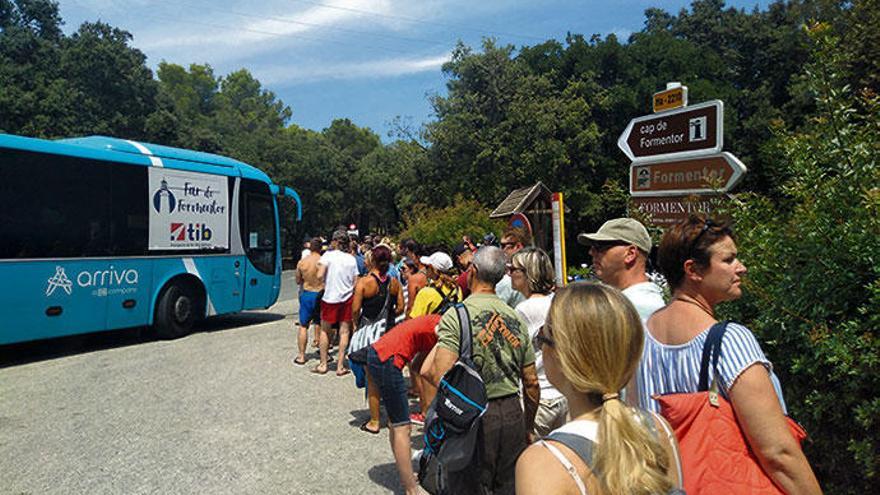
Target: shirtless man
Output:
[{"x": 310, "y": 288}]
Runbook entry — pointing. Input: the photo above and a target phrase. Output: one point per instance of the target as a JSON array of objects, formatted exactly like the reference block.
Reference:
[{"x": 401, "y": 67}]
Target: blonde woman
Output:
[
  {"x": 591, "y": 343},
  {"x": 531, "y": 273}
]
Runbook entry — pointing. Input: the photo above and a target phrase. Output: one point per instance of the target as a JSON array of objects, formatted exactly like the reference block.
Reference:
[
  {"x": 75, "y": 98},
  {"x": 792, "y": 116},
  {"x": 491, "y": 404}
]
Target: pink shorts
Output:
[{"x": 334, "y": 313}]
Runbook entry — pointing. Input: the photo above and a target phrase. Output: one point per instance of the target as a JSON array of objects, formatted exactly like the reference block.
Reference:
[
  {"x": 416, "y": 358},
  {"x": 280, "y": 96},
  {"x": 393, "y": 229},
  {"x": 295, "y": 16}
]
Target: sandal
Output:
[
  {"x": 319, "y": 371},
  {"x": 343, "y": 372},
  {"x": 297, "y": 362},
  {"x": 367, "y": 429}
]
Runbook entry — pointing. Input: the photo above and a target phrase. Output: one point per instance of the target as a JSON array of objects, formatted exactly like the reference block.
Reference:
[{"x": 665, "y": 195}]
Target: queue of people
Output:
[{"x": 576, "y": 377}]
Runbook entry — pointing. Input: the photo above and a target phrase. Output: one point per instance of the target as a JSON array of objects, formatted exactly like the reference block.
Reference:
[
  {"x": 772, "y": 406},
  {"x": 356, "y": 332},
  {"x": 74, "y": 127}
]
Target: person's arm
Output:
[
  {"x": 322, "y": 270},
  {"x": 760, "y": 415},
  {"x": 415, "y": 284},
  {"x": 299, "y": 276},
  {"x": 356, "y": 302},
  {"x": 441, "y": 360},
  {"x": 531, "y": 392},
  {"x": 442, "y": 357},
  {"x": 400, "y": 306}
]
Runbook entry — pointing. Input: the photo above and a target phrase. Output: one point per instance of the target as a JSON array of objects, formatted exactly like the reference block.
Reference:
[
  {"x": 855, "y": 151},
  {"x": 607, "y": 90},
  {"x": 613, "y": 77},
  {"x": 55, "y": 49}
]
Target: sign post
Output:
[
  {"x": 558, "y": 208},
  {"x": 677, "y": 163}
]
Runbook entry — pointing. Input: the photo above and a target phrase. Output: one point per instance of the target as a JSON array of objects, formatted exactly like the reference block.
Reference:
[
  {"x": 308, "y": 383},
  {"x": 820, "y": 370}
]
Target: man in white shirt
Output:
[
  {"x": 339, "y": 270},
  {"x": 620, "y": 253}
]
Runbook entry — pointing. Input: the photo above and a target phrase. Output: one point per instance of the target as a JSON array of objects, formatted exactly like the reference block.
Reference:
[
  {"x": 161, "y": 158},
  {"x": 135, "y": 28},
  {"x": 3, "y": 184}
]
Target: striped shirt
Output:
[{"x": 667, "y": 369}]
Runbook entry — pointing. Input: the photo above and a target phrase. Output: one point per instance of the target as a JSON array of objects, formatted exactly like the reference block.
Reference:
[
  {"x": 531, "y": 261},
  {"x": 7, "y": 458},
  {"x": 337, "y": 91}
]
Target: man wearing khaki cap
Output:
[{"x": 620, "y": 252}]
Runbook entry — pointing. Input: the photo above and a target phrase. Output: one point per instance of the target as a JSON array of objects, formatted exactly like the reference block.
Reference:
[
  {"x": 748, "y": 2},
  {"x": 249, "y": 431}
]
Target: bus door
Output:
[{"x": 259, "y": 237}]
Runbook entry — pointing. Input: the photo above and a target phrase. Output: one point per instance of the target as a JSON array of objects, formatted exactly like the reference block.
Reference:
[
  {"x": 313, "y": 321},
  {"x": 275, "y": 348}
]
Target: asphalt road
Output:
[{"x": 220, "y": 411}]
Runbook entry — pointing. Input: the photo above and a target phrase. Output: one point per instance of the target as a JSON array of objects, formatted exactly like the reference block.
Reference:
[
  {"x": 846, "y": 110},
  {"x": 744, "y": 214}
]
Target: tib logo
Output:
[
  {"x": 190, "y": 232},
  {"x": 59, "y": 280},
  {"x": 164, "y": 192},
  {"x": 697, "y": 129}
]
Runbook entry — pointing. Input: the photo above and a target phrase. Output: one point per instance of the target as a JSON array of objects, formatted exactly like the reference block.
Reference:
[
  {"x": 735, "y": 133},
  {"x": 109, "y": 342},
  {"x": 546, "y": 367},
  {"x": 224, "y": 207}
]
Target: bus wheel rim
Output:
[{"x": 182, "y": 309}]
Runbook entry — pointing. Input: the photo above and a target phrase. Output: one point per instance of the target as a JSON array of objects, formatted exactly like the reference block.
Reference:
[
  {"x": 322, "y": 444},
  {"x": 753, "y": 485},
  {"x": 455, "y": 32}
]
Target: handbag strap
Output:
[
  {"x": 466, "y": 339},
  {"x": 711, "y": 349}
]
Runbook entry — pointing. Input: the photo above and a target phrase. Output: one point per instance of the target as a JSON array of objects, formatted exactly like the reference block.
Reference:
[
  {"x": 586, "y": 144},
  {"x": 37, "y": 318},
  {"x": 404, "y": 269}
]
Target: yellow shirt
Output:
[{"x": 429, "y": 299}]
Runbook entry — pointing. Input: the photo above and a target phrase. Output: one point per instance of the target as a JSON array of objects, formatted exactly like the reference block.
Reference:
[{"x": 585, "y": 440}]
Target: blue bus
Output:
[{"x": 99, "y": 233}]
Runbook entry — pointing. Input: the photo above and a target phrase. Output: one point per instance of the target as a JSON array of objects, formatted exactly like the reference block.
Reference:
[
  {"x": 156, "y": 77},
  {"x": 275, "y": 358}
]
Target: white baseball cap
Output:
[{"x": 439, "y": 260}]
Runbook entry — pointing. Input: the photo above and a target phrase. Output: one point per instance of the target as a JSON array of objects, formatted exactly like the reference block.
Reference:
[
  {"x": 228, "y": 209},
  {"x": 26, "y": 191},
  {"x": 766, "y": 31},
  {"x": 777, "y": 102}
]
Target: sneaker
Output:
[{"x": 417, "y": 419}]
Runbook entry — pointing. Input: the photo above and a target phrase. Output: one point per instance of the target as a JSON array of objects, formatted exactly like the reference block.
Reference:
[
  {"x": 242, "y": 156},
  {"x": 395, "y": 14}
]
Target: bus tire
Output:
[{"x": 177, "y": 310}]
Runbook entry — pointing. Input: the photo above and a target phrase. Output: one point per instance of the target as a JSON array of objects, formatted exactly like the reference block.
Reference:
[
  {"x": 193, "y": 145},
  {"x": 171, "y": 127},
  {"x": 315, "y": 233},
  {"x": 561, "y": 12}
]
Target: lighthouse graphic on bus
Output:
[{"x": 165, "y": 193}]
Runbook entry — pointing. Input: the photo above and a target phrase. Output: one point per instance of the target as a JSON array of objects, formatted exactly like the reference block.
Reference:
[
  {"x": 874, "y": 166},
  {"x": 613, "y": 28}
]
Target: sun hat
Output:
[
  {"x": 626, "y": 230},
  {"x": 439, "y": 260}
]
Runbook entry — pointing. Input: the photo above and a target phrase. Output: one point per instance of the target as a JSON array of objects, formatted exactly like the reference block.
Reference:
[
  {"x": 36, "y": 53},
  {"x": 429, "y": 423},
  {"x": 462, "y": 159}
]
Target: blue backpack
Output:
[{"x": 452, "y": 424}]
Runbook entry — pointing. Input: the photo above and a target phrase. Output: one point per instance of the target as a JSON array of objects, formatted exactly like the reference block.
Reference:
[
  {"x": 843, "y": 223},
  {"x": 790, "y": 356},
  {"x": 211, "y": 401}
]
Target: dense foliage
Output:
[
  {"x": 445, "y": 227},
  {"x": 814, "y": 273},
  {"x": 800, "y": 110}
]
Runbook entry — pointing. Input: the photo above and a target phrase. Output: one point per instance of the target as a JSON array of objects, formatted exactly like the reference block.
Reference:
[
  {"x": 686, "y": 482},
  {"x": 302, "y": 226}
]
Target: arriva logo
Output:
[
  {"x": 100, "y": 278},
  {"x": 109, "y": 277},
  {"x": 59, "y": 280},
  {"x": 164, "y": 192}
]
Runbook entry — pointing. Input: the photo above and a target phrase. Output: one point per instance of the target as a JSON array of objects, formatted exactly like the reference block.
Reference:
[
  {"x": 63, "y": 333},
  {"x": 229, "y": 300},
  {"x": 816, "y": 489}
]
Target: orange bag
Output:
[{"x": 715, "y": 453}]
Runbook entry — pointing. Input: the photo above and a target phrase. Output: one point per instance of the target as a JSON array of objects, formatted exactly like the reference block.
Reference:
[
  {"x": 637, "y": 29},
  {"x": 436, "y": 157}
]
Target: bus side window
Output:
[
  {"x": 128, "y": 211},
  {"x": 53, "y": 206}
]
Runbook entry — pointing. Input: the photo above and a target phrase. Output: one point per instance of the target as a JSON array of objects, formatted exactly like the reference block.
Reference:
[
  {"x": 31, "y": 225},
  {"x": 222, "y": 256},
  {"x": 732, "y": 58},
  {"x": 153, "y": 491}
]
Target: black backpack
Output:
[
  {"x": 448, "y": 300},
  {"x": 452, "y": 424}
]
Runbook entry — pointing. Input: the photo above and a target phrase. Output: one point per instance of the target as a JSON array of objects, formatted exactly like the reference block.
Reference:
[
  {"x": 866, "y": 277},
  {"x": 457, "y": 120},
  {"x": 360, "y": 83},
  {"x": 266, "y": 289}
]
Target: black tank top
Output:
[{"x": 372, "y": 306}]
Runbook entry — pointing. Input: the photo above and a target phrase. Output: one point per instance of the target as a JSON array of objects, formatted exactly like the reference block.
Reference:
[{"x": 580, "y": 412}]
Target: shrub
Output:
[
  {"x": 814, "y": 274},
  {"x": 445, "y": 227}
]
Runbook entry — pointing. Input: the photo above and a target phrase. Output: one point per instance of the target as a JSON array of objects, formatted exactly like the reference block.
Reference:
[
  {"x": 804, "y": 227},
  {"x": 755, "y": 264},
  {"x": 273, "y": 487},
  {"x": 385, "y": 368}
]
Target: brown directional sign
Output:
[
  {"x": 668, "y": 210},
  {"x": 705, "y": 175},
  {"x": 681, "y": 133}
]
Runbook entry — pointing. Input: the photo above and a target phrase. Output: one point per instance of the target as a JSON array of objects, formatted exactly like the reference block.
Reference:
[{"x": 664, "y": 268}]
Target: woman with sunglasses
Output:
[
  {"x": 699, "y": 259},
  {"x": 531, "y": 273},
  {"x": 591, "y": 342}
]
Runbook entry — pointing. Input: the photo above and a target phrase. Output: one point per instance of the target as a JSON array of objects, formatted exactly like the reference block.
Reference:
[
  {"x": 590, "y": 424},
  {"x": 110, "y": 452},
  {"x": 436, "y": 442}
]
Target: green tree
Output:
[
  {"x": 115, "y": 91},
  {"x": 444, "y": 227},
  {"x": 815, "y": 275}
]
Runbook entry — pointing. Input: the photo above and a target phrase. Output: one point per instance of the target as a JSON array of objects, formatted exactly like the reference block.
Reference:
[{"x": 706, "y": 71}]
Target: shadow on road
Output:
[
  {"x": 41, "y": 350},
  {"x": 385, "y": 475}
]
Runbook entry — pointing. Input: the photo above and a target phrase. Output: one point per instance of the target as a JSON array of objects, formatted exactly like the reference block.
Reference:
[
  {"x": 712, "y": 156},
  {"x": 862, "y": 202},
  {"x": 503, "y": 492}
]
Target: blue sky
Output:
[{"x": 367, "y": 60}]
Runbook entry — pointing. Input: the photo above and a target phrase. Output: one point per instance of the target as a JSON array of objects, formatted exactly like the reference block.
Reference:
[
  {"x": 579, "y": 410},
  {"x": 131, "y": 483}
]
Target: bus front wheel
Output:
[{"x": 177, "y": 311}]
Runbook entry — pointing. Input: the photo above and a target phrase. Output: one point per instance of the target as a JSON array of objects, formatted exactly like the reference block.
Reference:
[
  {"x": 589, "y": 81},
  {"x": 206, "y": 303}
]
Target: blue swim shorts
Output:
[{"x": 309, "y": 307}]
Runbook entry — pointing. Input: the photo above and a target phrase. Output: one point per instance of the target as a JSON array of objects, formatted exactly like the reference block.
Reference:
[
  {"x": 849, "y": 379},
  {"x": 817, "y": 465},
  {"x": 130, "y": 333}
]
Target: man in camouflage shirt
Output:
[{"x": 503, "y": 355}]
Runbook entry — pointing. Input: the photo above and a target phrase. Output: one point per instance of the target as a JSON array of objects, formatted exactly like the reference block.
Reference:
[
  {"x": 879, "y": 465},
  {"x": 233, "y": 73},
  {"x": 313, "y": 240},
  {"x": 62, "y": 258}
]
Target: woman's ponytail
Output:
[
  {"x": 599, "y": 337},
  {"x": 629, "y": 459}
]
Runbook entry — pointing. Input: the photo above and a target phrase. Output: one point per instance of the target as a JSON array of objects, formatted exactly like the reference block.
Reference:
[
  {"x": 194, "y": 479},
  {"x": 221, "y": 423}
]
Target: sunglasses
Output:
[
  {"x": 505, "y": 245},
  {"x": 706, "y": 226},
  {"x": 602, "y": 246},
  {"x": 539, "y": 340}
]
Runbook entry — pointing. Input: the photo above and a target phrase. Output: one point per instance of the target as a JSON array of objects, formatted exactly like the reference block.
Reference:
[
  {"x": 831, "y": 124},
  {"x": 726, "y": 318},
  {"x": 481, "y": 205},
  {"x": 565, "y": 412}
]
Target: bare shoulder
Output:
[{"x": 539, "y": 472}]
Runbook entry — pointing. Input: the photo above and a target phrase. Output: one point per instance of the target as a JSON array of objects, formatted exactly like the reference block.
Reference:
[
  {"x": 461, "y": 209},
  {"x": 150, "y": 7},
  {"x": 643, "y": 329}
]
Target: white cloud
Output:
[
  {"x": 250, "y": 28},
  {"x": 357, "y": 70}
]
